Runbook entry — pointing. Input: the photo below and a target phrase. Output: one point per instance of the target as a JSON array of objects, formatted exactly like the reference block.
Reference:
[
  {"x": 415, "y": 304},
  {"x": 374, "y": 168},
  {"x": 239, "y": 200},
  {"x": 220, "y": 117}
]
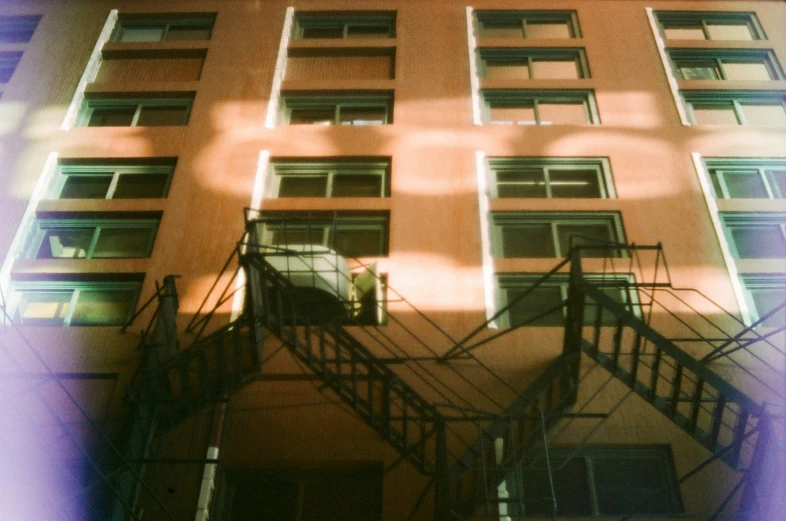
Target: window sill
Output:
[
  {"x": 340, "y": 43},
  {"x": 774, "y": 266},
  {"x": 583, "y": 84},
  {"x": 144, "y": 89},
  {"x": 101, "y": 205},
  {"x": 81, "y": 266},
  {"x": 157, "y": 46},
  {"x": 519, "y": 42},
  {"x": 327, "y": 203},
  {"x": 552, "y": 205},
  {"x": 732, "y": 85}
]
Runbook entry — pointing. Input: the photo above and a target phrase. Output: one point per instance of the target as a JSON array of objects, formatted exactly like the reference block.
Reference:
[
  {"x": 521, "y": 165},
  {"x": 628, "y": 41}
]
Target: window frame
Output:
[
  {"x": 60, "y": 222},
  {"x": 751, "y": 282},
  {"x": 495, "y": 165},
  {"x": 718, "y": 168},
  {"x": 500, "y": 220},
  {"x": 318, "y": 169},
  {"x": 737, "y": 99},
  {"x": 706, "y": 18},
  {"x": 296, "y": 101},
  {"x": 345, "y": 20},
  {"x": 25, "y": 25},
  {"x": 88, "y": 168},
  {"x": 9, "y": 61},
  {"x": 91, "y": 104},
  {"x": 741, "y": 220},
  {"x": 720, "y": 56},
  {"x": 526, "y": 56},
  {"x": 519, "y": 98},
  {"x": 528, "y": 16},
  {"x": 76, "y": 285},
  {"x": 201, "y": 20}
]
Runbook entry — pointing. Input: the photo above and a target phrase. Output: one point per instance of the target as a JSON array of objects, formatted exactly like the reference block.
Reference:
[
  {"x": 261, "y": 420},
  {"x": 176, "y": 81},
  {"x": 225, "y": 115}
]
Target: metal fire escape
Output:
[{"x": 472, "y": 449}]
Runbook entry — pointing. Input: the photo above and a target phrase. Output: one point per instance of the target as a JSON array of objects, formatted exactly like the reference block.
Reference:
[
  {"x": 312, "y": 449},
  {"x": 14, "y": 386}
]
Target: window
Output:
[
  {"x": 755, "y": 235},
  {"x": 526, "y": 64},
  {"x": 135, "y": 112},
  {"x": 70, "y": 236},
  {"x": 600, "y": 481},
  {"x": 528, "y": 24},
  {"x": 76, "y": 301},
  {"x": 359, "y": 235},
  {"x": 152, "y": 28},
  {"x": 356, "y": 110},
  {"x": 552, "y": 294},
  {"x": 725, "y": 64},
  {"x": 743, "y": 178},
  {"x": 536, "y": 234},
  {"x": 113, "y": 179},
  {"x": 549, "y": 177},
  {"x": 736, "y": 108},
  {"x": 8, "y": 63},
  {"x": 764, "y": 293},
  {"x": 330, "y": 179},
  {"x": 344, "y": 25},
  {"x": 526, "y": 107},
  {"x": 17, "y": 29},
  {"x": 686, "y": 25}
]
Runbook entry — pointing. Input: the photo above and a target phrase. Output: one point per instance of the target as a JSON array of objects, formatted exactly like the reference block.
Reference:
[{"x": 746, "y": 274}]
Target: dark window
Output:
[
  {"x": 8, "y": 63},
  {"x": 528, "y": 24},
  {"x": 548, "y": 177},
  {"x": 149, "y": 112},
  {"x": 344, "y": 25},
  {"x": 102, "y": 179},
  {"x": 17, "y": 29},
  {"x": 153, "y": 28},
  {"x": 330, "y": 179}
]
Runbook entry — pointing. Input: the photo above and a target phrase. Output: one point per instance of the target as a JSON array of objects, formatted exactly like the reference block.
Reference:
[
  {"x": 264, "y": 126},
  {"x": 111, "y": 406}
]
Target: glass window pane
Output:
[
  {"x": 357, "y": 185},
  {"x": 522, "y": 115},
  {"x": 368, "y": 31},
  {"x": 574, "y": 183},
  {"x": 303, "y": 186},
  {"x": 321, "y": 116},
  {"x": 538, "y": 301},
  {"x": 555, "y": 69},
  {"x": 151, "y": 116},
  {"x": 112, "y": 117},
  {"x": 323, "y": 32},
  {"x": 358, "y": 242},
  {"x": 548, "y": 30},
  {"x": 766, "y": 300},
  {"x": 502, "y": 30},
  {"x": 150, "y": 33},
  {"x": 698, "y": 71},
  {"x": 361, "y": 116},
  {"x": 753, "y": 71},
  {"x": 760, "y": 242},
  {"x": 187, "y": 32},
  {"x": 584, "y": 234},
  {"x": 507, "y": 71},
  {"x": 44, "y": 308},
  {"x": 533, "y": 240},
  {"x": 778, "y": 183},
  {"x": 617, "y": 294},
  {"x": 745, "y": 184},
  {"x": 102, "y": 308},
  {"x": 764, "y": 114},
  {"x": 17, "y": 32},
  {"x": 624, "y": 485},
  {"x": 729, "y": 31},
  {"x": 141, "y": 186},
  {"x": 123, "y": 243},
  {"x": 562, "y": 113},
  {"x": 65, "y": 243},
  {"x": 93, "y": 186},
  {"x": 521, "y": 183},
  {"x": 715, "y": 114},
  {"x": 284, "y": 235},
  {"x": 686, "y": 32}
]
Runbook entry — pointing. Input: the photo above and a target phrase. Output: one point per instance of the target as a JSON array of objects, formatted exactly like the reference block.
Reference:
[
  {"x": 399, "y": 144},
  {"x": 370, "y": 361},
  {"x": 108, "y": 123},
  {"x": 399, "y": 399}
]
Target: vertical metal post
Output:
[
  {"x": 442, "y": 500},
  {"x": 574, "y": 322}
]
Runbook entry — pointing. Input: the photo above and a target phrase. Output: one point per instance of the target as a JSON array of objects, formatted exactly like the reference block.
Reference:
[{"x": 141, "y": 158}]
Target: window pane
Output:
[
  {"x": 533, "y": 240},
  {"x": 698, "y": 71},
  {"x": 584, "y": 235},
  {"x": 151, "y": 33},
  {"x": 284, "y": 235},
  {"x": 771, "y": 114},
  {"x": 102, "y": 308},
  {"x": 761, "y": 242},
  {"x": 322, "y": 116},
  {"x": 368, "y": 31},
  {"x": 357, "y": 185},
  {"x": 112, "y": 117},
  {"x": 746, "y": 71},
  {"x": 617, "y": 294},
  {"x": 44, "y": 308},
  {"x": 162, "y": 116},
  {"x": 555, "y": 69},
  {"x": 502, "y": 30},
  {"x": 358, "y": 242},
  {"x": 715, "y": 114},
  {"x": 729, "y": 31},
  {"x": 540, "y": 300},
  {"x": 187, "y": 32},
  {"x": 8, "y": 63},
  {"x": 624, "y": 485},
  {"x": 574, "y": 183},
  {"x": 745, "y": 185},
  {"x": 68, "y": 243},
  {"x": 778, "y": 182},
  {"x": 548, "y": 30},
  {"x": 93, "y": 186},
  {"x": 123, "y": 243},
  {"x": 571, "y": 488},
  {"x": 687, "y": 32},
  {"x": 523, "y": 115},
  {"x": 562, "y": 113},
  {"x": 361, "y": 116},
  {"x": 521, "y": 183},
  {"x": 507, "y": 72},
  {"x": 323, "y": 32},
  {"x": 766, "y": 300},
  {"x": 141, "y": 186},
  {"x": 303, "y": 186}
]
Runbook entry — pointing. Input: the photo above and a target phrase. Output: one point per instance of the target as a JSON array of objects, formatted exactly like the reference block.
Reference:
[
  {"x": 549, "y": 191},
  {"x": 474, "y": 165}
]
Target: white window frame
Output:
[
  {"x": 741, "y": 220},
  {"x": 737, "y": 99},
  {"x": 89, "y": 105},
  {"x": 101, "y": 168},
  {"x": 718, "y": 168}
]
